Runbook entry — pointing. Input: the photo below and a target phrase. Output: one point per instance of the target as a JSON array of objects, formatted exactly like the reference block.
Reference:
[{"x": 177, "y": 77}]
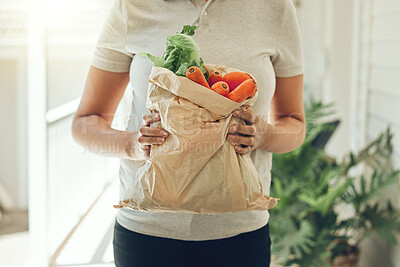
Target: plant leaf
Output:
[
  {"x": 189, "y": 30},
  {"x": 157, "y": 61}
]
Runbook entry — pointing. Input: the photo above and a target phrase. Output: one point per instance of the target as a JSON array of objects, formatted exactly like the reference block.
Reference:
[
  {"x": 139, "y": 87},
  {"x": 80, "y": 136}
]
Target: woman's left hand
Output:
[{"x": 249, "y": 136}]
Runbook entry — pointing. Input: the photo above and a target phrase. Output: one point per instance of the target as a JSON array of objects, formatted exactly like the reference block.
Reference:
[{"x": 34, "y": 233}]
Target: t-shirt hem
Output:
[
  {"x": 284, "y": 73},
  {"x": 111, "y": 66},
  {"x": 139, "y": 228}
]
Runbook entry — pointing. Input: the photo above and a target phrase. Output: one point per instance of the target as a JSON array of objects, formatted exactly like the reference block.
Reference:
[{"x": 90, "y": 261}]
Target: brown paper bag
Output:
[{"x": 196, "y": 170}]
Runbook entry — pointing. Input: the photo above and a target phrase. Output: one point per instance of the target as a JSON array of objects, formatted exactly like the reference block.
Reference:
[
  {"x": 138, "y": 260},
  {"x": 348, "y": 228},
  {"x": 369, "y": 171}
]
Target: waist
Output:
[{"x": 195, "y": 227}]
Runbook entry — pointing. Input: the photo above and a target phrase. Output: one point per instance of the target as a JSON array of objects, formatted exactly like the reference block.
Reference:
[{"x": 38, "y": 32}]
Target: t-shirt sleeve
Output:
[
  {"x": 110, "y": 52},
  {"x": 288, "y": 60}
]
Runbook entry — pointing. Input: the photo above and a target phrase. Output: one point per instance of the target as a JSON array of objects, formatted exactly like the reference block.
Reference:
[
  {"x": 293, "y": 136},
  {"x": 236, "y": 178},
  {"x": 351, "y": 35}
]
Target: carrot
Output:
[
  {"x": 221, "y": 88},
  {"x": 214, "y": 77},
  {"x": 194, "y": 73},
  {"x": 235, "y": 78},
  {"x": 243, "y": 91},
  {"x": 253, "y": 93}
]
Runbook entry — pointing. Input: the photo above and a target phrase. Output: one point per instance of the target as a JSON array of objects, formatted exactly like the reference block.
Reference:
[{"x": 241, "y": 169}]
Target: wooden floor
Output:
[
  {"x": 13, "y": 222},
  {"x": 14, "y": 238}
]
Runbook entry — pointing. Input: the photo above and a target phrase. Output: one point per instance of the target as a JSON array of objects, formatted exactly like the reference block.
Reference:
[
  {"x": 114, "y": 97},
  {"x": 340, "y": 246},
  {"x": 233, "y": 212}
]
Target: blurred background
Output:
[{"x": 56, "y": 199}]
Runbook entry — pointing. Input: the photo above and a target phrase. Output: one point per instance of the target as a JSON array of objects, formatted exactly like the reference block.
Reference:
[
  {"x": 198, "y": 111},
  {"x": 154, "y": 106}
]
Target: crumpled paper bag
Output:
[{"x": 196, "y": 169}]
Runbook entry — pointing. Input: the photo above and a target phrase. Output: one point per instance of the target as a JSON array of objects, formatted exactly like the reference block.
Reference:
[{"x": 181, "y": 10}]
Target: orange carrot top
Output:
[
  {"x": 221, "y": 88},
  {"x": 243, "y": 91},
  {"x": 214, "y": 77},
  {"x": 235, "y": 78},
  {"x": 194, "y": 73}
]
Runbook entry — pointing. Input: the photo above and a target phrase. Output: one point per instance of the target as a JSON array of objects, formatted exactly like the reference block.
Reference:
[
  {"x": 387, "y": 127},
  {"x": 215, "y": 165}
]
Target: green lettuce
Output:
[{"x": 181, "y": 52}]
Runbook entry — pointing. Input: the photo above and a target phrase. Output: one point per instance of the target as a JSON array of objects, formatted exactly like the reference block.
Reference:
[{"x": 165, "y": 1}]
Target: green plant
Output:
[{"x": 305, "y": 226}]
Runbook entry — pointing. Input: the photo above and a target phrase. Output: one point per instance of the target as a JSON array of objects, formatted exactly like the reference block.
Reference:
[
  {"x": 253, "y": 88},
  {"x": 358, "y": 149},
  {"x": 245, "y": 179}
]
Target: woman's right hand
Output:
[{"x": 150, "y": 135}]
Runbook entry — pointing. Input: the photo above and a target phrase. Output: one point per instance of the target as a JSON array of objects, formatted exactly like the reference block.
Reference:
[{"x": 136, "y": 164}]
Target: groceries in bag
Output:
[{"x": 196, "y": 170}]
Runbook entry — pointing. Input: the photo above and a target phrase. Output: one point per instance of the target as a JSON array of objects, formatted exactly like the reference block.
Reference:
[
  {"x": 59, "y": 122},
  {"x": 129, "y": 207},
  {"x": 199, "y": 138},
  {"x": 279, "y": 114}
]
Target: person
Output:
[{"x": 259, "y": 37}]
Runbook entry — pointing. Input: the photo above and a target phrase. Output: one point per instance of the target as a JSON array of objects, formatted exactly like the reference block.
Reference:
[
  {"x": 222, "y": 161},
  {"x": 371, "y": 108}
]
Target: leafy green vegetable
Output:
[
  {"x": 181, "y": 52},
  {"x": 158, "y": 62},
  {"x": 188, "y": 30},
  {"x": 183, "y": 68}
]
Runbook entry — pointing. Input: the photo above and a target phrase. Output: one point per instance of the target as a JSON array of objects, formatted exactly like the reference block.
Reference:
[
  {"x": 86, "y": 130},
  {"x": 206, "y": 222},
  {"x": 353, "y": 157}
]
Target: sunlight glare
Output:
[{"x": 57, "y": 8}]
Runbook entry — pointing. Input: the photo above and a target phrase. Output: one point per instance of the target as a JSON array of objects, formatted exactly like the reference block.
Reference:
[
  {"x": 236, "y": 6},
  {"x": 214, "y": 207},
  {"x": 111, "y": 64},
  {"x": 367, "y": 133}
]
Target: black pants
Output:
[{"x": 250, "y": 249}]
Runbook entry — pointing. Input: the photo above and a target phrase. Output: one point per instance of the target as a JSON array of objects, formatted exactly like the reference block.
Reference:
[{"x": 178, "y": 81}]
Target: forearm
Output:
[
  {"x": 95, "y": 135},
  {"x": 283, "y": 135}
]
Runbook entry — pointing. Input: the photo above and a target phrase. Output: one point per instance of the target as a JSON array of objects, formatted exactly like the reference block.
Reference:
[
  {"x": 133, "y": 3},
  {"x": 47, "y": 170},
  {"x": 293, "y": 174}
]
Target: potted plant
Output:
[{"x": 306, "y": 228}]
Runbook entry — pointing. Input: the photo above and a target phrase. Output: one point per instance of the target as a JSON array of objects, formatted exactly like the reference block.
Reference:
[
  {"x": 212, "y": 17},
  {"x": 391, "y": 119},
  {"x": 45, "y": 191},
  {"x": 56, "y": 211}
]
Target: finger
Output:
[
  {"x": 144, "y": 148},
  {"x": 153, "y": 131},
  {"x": 243, "y": 129},
  {"x": 248, "y": 115},
  {"x": 147, "y": 154},
  {"x": 146, "y": 140},
  {"x": 244, "y": 140},
  {"x": 148, "y": 118},
  {"x": 242, "y": 150}
]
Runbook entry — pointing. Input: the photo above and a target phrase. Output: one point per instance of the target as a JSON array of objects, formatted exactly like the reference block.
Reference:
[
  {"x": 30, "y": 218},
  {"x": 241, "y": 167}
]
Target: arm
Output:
[
  {"x": 91, "y": 126},
  {"x": 286, "y": 131}
]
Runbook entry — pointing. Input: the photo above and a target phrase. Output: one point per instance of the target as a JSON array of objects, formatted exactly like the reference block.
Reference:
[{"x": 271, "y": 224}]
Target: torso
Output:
[{"x": 224, "y": 41}]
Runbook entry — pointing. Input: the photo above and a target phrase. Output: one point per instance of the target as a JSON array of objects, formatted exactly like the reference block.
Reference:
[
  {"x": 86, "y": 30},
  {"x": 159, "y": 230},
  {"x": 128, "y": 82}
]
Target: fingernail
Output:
[
  {"x": 230, "y": 137},
  {"x": 157, "y": 115},
  {"x": 233, "y": 128},
  {"x": 160, "y": 139},
  {"x": 236, "y": 112},
  {"x": 164, "y": 133}
]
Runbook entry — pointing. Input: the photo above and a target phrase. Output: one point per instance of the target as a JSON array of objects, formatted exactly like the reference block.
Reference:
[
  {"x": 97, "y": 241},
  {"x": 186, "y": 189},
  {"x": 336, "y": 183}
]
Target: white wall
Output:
[
  {"x": 327, "y": 39},
  {"x": 310, "y": 14},
  {"x": 13, "y": 136},
  {"x": 339, "y": 78},
  {"x": 383, "y": 59},
  {"x": 379, "y": 69},
  {"x": 67, "y": 71}
]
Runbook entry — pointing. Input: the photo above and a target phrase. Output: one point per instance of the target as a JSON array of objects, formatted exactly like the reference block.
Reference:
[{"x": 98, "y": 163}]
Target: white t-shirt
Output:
[{"x": 259, "y": 37}]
